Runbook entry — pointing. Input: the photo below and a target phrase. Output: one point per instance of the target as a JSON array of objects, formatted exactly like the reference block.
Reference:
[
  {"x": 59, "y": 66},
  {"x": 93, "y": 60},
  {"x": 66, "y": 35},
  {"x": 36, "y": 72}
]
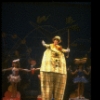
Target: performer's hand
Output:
[
  {"x": 39, "y": 76},
  {"x": 68, "y": 49},
  {"x": 33, "y": 69},
  {"x": 43, "y": 42}
]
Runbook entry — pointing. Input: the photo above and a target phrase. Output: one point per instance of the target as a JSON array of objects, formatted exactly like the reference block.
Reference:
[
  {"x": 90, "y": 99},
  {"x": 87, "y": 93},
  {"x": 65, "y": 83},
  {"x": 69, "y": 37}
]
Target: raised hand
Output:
[
  {"x": 43, "y": 42},
  {"x": 68, "y": 49}
]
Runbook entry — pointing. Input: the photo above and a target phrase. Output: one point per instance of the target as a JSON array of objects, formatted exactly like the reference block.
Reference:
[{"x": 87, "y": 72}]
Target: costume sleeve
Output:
[
  {"x": 65, "y": 50},
  {"x": 25, "y": 70},
  {"x": 46, "y": 45},
  {"x": 6, "y": 69}
]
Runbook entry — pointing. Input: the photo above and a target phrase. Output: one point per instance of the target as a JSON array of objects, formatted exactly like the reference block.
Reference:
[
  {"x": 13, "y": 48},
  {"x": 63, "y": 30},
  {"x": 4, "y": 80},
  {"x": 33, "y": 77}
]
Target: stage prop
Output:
[{"x": 8, "y": 94}]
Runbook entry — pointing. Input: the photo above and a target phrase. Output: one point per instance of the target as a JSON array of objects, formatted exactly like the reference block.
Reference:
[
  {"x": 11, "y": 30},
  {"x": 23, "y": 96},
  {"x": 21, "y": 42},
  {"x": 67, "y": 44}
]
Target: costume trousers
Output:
[{"x": 52, "y": 85}]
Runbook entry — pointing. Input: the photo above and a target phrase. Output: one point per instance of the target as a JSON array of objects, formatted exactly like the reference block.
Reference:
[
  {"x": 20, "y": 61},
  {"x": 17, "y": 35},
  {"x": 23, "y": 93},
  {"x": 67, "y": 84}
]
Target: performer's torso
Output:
[
  {"x": 80, "y": 73},
  {"x": 15, "y": 71},
  {"x": 53, "y": 60}
]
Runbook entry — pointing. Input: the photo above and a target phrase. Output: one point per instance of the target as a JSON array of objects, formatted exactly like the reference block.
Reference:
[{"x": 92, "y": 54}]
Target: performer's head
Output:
[
  {"x": 16, "y": 63},
  {"x": 29, "y": 60},
  {"x": 33, "y": 62},
  {"x": 56, "y": 40}
]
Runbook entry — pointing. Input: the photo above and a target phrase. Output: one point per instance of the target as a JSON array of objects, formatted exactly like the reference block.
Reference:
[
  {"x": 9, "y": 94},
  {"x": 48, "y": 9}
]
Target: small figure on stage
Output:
[
  {"x": 53, "y": 72},
  {"x": 80, "y": 77},
  {"x": 33, "y": 76},
  {"x": 14, "y": 78}
]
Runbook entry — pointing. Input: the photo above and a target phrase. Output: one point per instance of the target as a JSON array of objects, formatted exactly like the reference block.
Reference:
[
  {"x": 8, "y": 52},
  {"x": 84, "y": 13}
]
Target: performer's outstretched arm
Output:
[
  {"x": 7, "y": 69},
  {"x": 86, "y": 72},
  {"x": 37, "y": 68},
  {"x": 44, "y": 44},
  {"x": 73, "y": 73},
  {"x": 24, "y": 70},
  {"x": 66, "y": 50}
]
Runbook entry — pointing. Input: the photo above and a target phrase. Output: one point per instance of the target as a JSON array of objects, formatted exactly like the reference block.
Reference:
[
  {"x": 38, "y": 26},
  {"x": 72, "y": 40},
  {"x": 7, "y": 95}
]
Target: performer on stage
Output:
[
  {"x": 33, "y": 76},
  {"x": 80, "y": 79},
  {"x": 53, "y": 70},
  {"x": 14, "y": 78}
]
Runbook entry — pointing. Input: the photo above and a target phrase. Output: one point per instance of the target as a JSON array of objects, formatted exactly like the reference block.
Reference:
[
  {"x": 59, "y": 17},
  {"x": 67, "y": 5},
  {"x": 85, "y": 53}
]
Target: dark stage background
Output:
[{"x": 25, "y": 25}]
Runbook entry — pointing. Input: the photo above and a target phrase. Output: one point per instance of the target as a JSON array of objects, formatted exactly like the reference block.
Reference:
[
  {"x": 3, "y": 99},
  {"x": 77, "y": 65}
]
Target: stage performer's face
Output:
[
  {"x": 15, "y": 65},
  {"x": 56, "y": 42}
]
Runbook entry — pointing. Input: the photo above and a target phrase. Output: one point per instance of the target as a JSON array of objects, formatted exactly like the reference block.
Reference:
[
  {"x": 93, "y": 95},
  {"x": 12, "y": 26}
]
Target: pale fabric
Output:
[{"x": 13, "y": 78}]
